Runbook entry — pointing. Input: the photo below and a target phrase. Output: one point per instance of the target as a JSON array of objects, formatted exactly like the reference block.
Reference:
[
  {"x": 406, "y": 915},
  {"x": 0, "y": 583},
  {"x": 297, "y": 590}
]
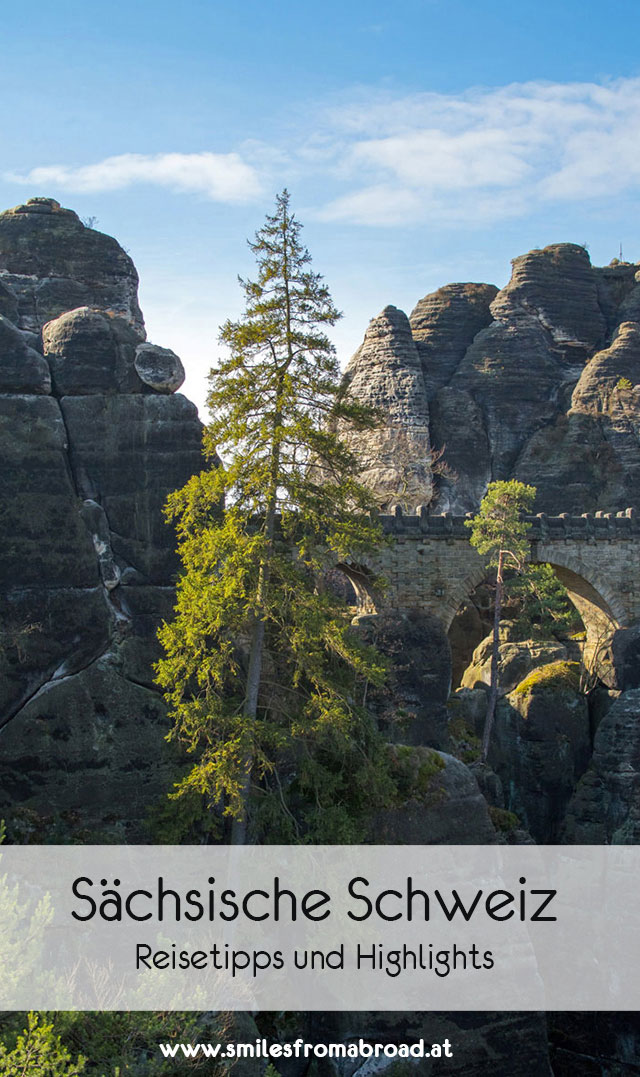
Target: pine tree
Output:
[
  {"x": 499, "y": 532},
  {"x": 260, "y": 657},
  {"x": 39, "y": 1052},
  {"x": 543, "y": 607}
]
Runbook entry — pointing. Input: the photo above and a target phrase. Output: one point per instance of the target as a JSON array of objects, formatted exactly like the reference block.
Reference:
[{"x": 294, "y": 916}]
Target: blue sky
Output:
[{"x": 424, "y": 143}]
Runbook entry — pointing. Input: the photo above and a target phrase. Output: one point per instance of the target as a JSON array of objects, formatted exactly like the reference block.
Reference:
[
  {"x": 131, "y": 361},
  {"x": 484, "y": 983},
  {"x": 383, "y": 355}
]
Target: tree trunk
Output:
[
  {"x": 495, "y": 659},
  {"x": 254, "y": 672},
  {"x": 252, "y": 690},
  {"x": 256, "y": 650},
  {"x": 239, "y": 824}
]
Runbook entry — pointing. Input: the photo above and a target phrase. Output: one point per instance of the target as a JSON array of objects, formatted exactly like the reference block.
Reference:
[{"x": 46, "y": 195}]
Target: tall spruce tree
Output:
[
  {"x": 499, "y": 533},
  {"x": 260, "y": 660}
]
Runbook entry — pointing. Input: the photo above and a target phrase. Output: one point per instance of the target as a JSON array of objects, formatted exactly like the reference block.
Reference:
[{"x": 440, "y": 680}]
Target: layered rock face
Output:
[
  {"x": 444, "y": 323},
  {"x": 411, "y": 706},
  {"x": 540, "y": 748},
  {"x": 535, "y": 382},
  {"x": 93, "y": 438},
  {"x": 605, "y": 808},
  {"x": 50, "y": 263},
  {"x": 386, "y": 373}
]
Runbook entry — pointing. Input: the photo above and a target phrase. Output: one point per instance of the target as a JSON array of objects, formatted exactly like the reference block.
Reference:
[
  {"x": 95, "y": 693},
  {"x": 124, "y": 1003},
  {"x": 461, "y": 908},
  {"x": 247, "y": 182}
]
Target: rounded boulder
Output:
[{"x": 159, "y": 368}]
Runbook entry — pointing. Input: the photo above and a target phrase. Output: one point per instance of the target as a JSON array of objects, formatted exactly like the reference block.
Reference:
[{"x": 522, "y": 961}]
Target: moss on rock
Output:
[
  {"x": 552, "y": 678},
  {"x": 413, "y": 770},
  {"x": 503, "y": 820}
]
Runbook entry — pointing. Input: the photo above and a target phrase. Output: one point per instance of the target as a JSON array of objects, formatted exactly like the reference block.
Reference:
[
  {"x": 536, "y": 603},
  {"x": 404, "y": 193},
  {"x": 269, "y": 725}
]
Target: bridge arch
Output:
[
  {"x": 600, "y": 608},
  {"x": 361, "y": 579},
  {"x": 430, "y": 565},
  {"x": 463, "y": 589},
  {"x": 595, "y": 598}
]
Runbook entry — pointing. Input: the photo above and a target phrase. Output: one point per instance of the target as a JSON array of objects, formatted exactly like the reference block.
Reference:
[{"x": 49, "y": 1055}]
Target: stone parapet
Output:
[{"x": 588, "y": 527}]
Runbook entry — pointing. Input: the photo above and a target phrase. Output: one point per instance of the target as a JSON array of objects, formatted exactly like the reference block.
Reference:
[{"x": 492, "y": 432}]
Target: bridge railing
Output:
[{"x": 604, "y": 526}]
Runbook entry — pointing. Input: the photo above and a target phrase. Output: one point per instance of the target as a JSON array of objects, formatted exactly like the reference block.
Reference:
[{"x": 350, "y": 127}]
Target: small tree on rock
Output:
[{"x": 499, "y": 533}]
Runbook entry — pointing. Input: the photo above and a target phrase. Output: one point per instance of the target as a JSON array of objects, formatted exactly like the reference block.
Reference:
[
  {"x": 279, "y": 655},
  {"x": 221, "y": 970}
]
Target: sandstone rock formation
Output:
[
  {"x": 444, "y": 805},
  {"x": 22, "y": 368},
  {"x": 92, "y": 442},
  {"x": 410, "y": 708},
  {"x": 444, "y": 324},
  {"x": 537, "y": 382},
  {"x": 160, "y": 368},
  {"x": 541, "y": 746},
  {"x": 605, "y": 808},
  {"x": 516, "y": 659},
  {"x": 50, "y": 263},
  {"x": 386, "y": 373}
]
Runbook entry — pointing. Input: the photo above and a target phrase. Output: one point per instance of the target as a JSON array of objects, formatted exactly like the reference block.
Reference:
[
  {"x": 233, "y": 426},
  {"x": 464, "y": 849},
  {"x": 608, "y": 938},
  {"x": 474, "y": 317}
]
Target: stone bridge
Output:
[{"x": 430, "y": 565}]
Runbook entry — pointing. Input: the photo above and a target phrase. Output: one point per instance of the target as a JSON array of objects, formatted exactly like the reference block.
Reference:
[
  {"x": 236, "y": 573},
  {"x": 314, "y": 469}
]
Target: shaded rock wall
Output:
[
  {"x": 92, "y": 440},
  {"x": 605, "y": 808},
  {"x": 411, "y": 706},
  {"x": 541, "y": 745},
  {"x": 503, "y": 1045},
  {"x": 540, "y": 381},
  {"x": 446, "y": 806}
]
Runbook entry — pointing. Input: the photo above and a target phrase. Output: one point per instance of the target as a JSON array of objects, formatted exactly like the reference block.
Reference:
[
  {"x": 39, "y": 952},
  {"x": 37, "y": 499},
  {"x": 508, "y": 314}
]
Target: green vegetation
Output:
[
  {"x": 499, "y": 533},
  {"x": 413, "y": 771},
  {"x": 465, "y": 743},
  {"x": 544, "y": 610},
  {"x": 187, "y": 820},
  {"x": 112, "y": 1044},
  {"x": 624, "y": 384},
  {"x": 504, "y": 821},
  {"x": 38, "y": 1052},
  {"x": 552, "y": 677},
  {"x": 263, "y": 673},
  {"x": 328, "y": 793}
]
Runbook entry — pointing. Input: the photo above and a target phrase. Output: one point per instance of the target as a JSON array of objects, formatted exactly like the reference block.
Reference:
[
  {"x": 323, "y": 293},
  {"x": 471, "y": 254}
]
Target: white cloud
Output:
[
  {"x": 381, "y": 203},
  {"x": 482, "y": 155},
  {"x": 375, "y": 159},
  {"x": 222, "y": 177}
]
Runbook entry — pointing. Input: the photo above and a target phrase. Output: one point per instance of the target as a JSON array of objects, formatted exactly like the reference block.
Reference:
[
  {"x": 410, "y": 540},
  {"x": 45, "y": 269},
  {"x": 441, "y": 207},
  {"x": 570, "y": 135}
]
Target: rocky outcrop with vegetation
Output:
[
  {"x": 538, "y": 382},
  {"x": 605, "y": 807}
]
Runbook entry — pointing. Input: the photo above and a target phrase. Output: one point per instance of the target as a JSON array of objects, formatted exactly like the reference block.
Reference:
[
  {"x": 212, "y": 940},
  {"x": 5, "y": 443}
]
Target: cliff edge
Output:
[{"x": 93, "y": 437}]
